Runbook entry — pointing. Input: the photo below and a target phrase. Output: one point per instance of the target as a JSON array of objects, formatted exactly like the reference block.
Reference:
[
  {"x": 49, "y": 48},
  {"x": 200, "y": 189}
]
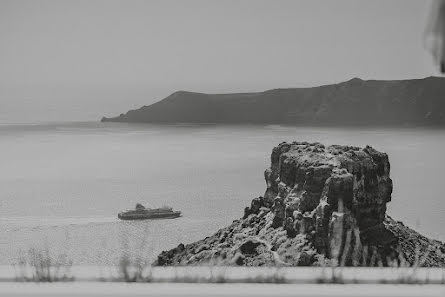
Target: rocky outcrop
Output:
[
  {"x": 353, "y": 102},
  {"x": 322, "y": 205}
]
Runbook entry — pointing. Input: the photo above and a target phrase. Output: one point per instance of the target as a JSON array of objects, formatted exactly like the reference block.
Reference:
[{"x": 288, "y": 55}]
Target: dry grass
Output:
[
  {"x": 41, "y": 266},
  {"x": 136, "y": 268}
]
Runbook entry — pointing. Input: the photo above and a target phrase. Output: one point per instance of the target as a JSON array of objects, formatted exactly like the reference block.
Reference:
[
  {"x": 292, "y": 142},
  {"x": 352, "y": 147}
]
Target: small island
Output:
[{"x": 323, "y": 205}]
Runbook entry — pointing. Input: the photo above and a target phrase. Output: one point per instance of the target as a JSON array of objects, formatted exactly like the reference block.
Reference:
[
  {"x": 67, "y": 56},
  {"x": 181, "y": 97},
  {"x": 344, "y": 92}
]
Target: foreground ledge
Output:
[
  {"x": 257, "y": 290},
  {"x": 218, "y": 274}
]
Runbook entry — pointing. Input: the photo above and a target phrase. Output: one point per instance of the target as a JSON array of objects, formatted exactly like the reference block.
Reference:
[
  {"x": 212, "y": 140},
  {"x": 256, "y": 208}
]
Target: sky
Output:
[{"x": 79, "y": 60}]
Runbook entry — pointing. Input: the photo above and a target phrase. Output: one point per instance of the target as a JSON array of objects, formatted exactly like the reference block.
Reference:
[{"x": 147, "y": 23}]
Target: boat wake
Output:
[{"x": 37, "y": 221}]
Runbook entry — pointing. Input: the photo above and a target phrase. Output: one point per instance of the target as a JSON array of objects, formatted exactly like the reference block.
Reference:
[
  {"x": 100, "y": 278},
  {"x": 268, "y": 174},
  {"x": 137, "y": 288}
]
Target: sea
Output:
[{"x": 63, "y": 184}]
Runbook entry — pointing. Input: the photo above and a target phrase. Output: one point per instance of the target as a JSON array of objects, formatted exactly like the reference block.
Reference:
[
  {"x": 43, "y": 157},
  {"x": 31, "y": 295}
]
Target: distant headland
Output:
[{"x": 414, "y": 102}]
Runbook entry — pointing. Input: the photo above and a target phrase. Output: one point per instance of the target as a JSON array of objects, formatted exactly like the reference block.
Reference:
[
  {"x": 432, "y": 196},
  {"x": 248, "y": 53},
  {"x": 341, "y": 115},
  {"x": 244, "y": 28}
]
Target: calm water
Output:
[{"x": 62, "y": 185}]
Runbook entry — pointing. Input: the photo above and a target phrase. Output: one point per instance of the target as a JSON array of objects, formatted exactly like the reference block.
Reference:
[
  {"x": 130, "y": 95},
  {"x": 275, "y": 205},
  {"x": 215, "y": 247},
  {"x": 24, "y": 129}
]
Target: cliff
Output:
[
  {"x": 321, "y": 205},
  {"x": 354, "y": 102}
]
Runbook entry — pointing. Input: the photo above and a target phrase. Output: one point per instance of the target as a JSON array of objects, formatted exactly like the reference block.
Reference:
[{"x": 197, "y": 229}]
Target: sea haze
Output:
[{"x": 62, "y": 185}]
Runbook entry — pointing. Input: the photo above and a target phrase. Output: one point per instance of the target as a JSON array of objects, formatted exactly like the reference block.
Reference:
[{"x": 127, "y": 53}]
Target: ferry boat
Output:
[{"x": 142, "y": 213}]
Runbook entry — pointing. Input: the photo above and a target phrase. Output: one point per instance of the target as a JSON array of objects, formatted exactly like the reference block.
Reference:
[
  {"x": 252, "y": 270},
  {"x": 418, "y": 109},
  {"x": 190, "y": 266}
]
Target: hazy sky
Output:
[{"x": 127, "y": 53}]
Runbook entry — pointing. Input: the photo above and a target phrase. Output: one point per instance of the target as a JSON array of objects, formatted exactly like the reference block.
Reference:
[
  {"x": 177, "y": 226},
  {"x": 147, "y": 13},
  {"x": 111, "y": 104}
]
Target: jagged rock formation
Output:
[
  {"x": 354, "y": 102},
  {"x": 322, "y": 204}
]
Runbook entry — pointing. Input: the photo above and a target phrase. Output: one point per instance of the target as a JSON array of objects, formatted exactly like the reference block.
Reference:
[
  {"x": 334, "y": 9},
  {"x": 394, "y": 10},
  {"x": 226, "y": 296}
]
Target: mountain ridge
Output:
[{"x": 352, "y": 102}]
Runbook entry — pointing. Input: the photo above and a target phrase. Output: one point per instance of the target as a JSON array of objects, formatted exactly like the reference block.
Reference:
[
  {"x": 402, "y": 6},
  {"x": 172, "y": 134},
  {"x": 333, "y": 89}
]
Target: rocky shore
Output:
[{"x": 323, "y": 205}]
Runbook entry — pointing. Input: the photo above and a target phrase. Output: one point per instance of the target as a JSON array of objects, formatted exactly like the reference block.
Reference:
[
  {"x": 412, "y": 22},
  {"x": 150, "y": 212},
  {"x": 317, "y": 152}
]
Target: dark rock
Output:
[
  {"x": 305, "y": 259},
  {"x": 239, "y": 259},
  {"x": 250, "y": 247},
  {"x": 247, "y": 212},
  {"x": 279, "y": 212},
  {"x": 289, "y": 227}
]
